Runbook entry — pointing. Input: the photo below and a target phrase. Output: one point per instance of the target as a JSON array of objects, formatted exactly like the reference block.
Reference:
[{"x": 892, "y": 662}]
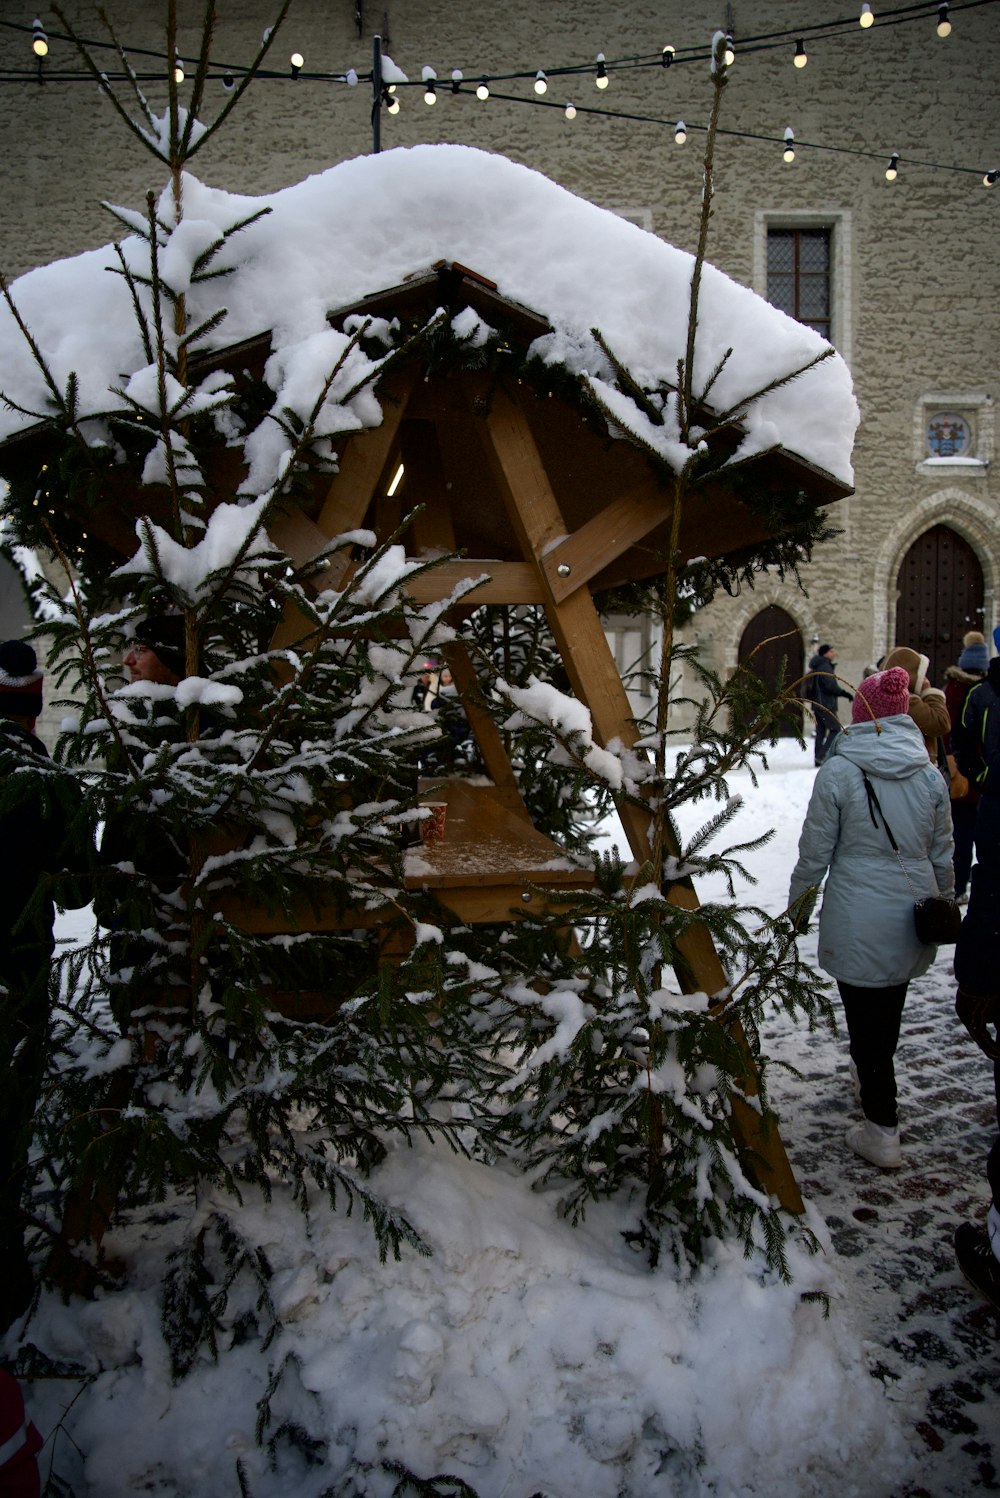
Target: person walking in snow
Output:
[
  {"x": 958, "y": 683},
  {"x": 867, "y": 938},
  {"x": 927, "y": 706},
  {"x": 824, "y": 691}
]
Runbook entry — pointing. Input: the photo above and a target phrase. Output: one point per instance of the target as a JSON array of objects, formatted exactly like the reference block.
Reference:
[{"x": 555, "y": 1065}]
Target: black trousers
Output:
[
  {"x": 873, "y": 1019},
  {"x": 827, "y": 728}
]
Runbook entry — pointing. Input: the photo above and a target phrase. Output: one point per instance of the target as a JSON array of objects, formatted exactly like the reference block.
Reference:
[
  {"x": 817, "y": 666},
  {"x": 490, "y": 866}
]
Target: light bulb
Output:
[
  {"x": 729, "y": 56},
  {"x": 430, "y": 94},
  {"x": 178, "y": 70},
  {"x": 667, "y": 56},
  {"x": 296, "y": 61},
  {"x": 680, "y": 132},
  {"x": 39, "y": 41},
  {"x": 891, "y": 171},
  {"x": 801, "y": 57},
  {"x": 541, "y": 83},
  {"x": 990, "y": 180},
  {"x": 390, "y": 101},
  {"x": 456, "y": 80},
  {"x": 571, "y": 110},
  {"x": 228, "y": 82},
  {"x": 943, "y": 23},
  {"x": 482, "y": 90},
  {"x": 601, "y": 77},
  {"x": 789, "y": 151},
  {"x": 866, "y": 18}
]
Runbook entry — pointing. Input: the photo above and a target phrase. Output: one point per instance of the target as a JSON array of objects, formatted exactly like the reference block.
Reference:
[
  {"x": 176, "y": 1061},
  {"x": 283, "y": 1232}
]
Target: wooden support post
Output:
[{"x": 534, "y": 512}]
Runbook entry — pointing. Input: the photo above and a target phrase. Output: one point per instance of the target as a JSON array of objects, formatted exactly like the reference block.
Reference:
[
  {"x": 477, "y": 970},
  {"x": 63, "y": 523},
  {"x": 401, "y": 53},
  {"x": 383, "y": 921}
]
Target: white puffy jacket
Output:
[{"x": 866, "y": 931}]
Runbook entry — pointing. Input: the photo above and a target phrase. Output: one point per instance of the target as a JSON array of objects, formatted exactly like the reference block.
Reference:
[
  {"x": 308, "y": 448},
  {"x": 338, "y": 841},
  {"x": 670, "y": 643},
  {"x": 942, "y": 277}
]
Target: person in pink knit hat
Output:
[{"x": 877, "y": 771}]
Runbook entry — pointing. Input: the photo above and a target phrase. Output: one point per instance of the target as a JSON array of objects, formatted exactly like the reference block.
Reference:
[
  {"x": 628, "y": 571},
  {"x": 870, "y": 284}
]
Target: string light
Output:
[
  {"x": 801, "y": 56},
  {"x": 729, "y": 55},
  {"x": 789, "y": 152},
  {"x": 390, "y": 101},
  {"x": 430, "y": 92},
  {"x": 892, "y": 170},
  {"x": 456, "y": 80},
  {"x": 296, "y": 60},
  {"x": 541, "y": 83},
  {"x": 990, "y": 180},
  {"x": 866, "y": 18},
  {"x": 680, "y": 133},
  {"x": 665, "y": 57},
  {"x": 39, "y": 41},
  {"x": 570, "y": 110}
]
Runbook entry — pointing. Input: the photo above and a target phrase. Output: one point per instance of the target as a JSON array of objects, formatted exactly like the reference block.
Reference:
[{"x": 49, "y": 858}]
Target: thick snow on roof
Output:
[{"x": 368, "y": 224}]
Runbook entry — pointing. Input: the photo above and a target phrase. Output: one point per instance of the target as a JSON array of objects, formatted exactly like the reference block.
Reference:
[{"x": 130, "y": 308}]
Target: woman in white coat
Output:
[{"x": 867, "y": 938}]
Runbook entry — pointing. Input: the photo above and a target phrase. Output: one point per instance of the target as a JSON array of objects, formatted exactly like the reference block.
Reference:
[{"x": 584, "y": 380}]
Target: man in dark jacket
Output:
[{"x": 823, "y": 690}]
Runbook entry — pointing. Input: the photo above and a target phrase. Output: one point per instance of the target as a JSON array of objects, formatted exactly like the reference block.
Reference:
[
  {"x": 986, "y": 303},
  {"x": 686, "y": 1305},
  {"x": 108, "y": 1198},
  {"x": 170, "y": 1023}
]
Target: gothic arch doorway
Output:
[
  {"x": 772, "y": 637},
  {"x": 939, "y": 595}
]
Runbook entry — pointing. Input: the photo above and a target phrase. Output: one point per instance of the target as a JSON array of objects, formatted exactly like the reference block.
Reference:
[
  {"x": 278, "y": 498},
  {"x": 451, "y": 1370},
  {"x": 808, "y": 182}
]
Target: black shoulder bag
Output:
[{"x": 936, "y": 919}]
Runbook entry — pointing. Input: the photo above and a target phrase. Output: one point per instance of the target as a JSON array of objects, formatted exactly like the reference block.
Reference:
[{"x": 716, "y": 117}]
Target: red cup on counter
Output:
[{"x": 432, "y": 826}]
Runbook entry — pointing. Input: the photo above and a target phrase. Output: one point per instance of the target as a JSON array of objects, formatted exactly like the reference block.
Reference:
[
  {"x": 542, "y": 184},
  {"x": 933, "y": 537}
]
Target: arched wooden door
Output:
[
  {"x": 772, "y": 637},
  {"x": 939, "y": 597}
]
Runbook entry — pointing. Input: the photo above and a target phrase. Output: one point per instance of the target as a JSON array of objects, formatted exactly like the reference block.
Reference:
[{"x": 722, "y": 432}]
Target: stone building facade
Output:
[{"x": 910, "y": 282}]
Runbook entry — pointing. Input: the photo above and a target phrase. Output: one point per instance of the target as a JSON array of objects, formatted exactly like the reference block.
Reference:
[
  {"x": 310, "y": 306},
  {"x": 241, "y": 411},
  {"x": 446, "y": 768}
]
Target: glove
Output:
[{"x": 977, "y": 1013}]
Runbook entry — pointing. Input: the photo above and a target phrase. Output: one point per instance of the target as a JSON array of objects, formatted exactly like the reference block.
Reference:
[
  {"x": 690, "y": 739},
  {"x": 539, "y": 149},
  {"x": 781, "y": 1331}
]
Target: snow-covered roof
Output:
[{"x": 372, "y": 222}]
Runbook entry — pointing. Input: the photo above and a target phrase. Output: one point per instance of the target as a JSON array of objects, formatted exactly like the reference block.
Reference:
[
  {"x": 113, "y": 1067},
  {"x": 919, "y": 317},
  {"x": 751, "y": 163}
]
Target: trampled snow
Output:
[
  {"x": 524, "y": 1355},
  {"x": 323, "y": 245}
]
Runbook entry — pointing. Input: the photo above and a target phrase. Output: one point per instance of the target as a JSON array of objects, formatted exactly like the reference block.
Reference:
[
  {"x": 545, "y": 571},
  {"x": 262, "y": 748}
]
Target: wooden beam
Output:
[
  {"x": 502, "y": 582},
  {"x": 603, "y": 539}
]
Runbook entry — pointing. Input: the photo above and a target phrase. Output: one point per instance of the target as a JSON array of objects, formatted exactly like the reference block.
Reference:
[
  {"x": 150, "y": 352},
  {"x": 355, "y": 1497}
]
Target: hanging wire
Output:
[{"x": 224, "y": 73}]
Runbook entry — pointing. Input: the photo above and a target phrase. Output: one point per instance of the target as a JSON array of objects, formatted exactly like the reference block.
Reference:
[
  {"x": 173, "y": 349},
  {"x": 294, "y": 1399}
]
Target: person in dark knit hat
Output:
[
  {"x": 867, "y": 938},
  {"x": 20, "y": 684},
  {"x": 157, "y": 652},
  {"x": 824, "y": 692}
]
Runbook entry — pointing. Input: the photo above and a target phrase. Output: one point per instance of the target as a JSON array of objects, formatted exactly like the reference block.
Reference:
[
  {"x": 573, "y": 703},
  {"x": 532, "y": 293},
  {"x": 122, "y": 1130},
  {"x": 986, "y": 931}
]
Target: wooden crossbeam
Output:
[{"x": 603, "y": 539}]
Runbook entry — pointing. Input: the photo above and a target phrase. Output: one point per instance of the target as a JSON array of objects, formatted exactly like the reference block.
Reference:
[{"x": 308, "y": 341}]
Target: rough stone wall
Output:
[{"x": 917, "y": 271}]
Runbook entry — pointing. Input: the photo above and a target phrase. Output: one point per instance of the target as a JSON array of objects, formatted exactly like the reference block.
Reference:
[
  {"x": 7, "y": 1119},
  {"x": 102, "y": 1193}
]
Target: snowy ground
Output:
[{"x": 534, "y": 1359}]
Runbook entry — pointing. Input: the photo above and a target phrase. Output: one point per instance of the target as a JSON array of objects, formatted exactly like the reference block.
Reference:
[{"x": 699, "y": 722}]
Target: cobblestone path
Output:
[{"x": 930, "y": 1338}]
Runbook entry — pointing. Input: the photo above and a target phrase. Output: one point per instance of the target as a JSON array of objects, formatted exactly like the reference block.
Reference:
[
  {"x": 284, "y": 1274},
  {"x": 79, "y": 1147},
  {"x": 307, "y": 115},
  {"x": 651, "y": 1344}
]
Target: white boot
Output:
[{"x": 876, "y": 1143}]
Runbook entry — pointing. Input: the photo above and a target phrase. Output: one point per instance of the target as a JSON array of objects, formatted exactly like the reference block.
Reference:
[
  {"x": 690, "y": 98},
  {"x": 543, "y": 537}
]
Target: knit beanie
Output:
[
  {"x": 20, "y": 681},
  {"x": 164, "y": 635},
  {"x": 975, "y": 652},
  {"x": 882, "y": 696}
]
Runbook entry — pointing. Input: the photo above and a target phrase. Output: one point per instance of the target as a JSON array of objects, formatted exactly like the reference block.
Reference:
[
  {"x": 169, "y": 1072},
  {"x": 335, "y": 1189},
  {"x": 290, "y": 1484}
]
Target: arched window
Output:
[
  {"x": 939, "y": 597},
  {"x": 773, "y": 637}
]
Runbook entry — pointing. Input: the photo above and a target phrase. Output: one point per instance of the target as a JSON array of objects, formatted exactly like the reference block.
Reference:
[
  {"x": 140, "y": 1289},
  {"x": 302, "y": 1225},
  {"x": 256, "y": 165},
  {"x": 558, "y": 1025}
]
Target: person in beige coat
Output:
[{"x": 928, "y": 707}]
